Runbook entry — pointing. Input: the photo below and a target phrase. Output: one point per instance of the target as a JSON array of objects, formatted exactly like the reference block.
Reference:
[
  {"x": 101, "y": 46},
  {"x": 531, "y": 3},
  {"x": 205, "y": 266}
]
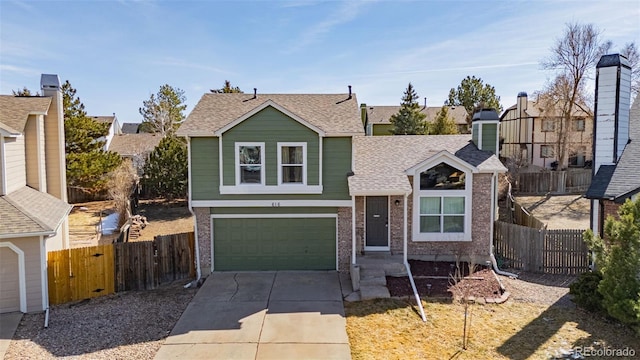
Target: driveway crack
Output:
[{"x": 237, "y": 286}]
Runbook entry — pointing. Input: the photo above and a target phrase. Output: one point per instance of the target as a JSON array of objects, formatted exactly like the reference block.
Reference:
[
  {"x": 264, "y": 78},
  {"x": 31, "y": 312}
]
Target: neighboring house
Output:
[
  {"x": 616, "y": 154},
  {"x": 33, "y": 206},
  {"x": 376, "y": 119},
  {"x": 275, "y": 179},
  {"x": 114, "y": 128},
  {"x": 529, "y": 135},
  {"x": 136, "y": 147}
]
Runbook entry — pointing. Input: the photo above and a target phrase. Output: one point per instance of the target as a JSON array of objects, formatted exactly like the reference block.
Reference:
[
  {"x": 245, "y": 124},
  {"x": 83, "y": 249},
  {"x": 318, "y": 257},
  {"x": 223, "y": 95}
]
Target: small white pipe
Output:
[
  {"x": 415, "y": 292},
  {"x": 193, "y": 213},
  {"x": 498, "y": 271},
  {"x": 404, "y": 229},
  {"x": 494, "y": 186}
]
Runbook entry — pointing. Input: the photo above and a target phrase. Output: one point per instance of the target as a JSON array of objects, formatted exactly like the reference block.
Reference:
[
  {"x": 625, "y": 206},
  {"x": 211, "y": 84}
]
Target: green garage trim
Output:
[{"x": 274, "y": 242}]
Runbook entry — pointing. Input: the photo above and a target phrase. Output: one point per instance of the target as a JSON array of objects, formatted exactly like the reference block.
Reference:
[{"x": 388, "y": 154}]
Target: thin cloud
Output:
[
  {"x": 18, "y": 70},
  {"x": 345, "y": 13},
  {"x": 438, "y": 70}
]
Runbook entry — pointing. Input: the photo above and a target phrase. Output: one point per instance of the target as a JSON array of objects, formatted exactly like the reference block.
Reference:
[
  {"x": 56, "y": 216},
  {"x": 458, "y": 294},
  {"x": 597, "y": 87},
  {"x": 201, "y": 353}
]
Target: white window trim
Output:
[
  {"x": 467, "y": 194},
  {"x": 304, "y": 162},
  {"x": 262, "y": 163}
]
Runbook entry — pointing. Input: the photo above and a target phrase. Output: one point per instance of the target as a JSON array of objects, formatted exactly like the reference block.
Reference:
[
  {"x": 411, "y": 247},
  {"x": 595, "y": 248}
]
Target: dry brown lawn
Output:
[
  {"x": 558, "y": 211},
  {"x": 391, "y": 329},
  {"x": 163, "y": 218}
]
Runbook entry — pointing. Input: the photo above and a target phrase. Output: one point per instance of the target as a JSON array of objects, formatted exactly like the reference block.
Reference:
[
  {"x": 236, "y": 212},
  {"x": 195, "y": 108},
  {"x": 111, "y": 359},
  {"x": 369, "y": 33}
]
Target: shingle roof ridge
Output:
[{"x": 26, "y": 212}]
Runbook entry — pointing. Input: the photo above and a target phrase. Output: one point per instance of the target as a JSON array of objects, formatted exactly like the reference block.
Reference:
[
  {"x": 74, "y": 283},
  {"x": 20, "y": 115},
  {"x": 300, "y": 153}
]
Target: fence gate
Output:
[{"x": 82, "y": 273}]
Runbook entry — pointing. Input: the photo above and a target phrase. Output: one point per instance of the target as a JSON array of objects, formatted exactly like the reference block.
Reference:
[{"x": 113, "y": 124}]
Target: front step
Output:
[{"x": 374, "y": 292}]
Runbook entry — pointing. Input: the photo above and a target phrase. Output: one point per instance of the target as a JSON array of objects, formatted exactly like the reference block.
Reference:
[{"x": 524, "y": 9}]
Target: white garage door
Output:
[{"x": 9, "y": 281}]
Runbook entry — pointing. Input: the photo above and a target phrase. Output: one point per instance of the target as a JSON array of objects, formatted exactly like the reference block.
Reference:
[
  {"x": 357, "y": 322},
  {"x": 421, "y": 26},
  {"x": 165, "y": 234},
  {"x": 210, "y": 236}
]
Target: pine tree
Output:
[
  {"x": 443, "y": 124},
  {"x": 618, "y": 259},
  {"x": 409, "y": 120},
  {"x": 227, "y": 89},
  {"x": 162, "y": 113},
  {"x": 473, "y": 94},
  {"x": 24, "y": 92},
  {"x": 87, "y": 163},
  {"x": 165, "y": 174}
]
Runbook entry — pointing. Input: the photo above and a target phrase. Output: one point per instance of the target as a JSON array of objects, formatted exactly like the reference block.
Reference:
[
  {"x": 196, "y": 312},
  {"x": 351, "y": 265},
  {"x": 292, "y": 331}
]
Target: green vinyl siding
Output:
[
  {"x": 270, "y": 126},
  {"x": 274, "y": 244},
  {"x": 489, "y": 135},
  {"x": 475, "y": 128},
  {"x": 205, "y": 178},
  {"x": 337, "y": 165},
  {"x": 382, "y": 129}
]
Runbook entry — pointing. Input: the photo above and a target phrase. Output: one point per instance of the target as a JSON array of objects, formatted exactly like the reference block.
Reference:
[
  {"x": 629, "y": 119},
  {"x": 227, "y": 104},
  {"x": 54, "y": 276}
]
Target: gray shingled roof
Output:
[
  {"x": 134, "y": 144},
  {"x": 382, "y": 114},
  {"x": 15, "y": 110},
  {"x": 335, "y": 114},
  {"x": 617, "y": 182},
  {"x": 130, "y": 128},
  {"x": 381, "y": 161},
  {"x": 28, "y": 211}
]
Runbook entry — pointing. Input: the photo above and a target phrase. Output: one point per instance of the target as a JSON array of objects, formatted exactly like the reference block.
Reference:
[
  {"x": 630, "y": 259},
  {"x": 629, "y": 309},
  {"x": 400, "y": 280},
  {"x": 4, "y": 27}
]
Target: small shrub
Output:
[{"x": 585, "y": 291}]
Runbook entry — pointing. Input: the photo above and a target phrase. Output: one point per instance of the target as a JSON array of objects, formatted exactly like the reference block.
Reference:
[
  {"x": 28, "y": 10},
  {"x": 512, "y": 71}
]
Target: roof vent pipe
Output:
[
  {"x": 349, "y": 91},
  {"x": 255, "y": 93},
  {"x": 425, "y": 102}
]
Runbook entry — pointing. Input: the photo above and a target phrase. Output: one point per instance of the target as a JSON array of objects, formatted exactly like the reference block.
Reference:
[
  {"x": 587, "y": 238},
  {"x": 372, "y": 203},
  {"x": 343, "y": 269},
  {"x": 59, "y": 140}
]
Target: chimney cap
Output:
[
  {"x": 522, "y": 94},
  {"x": 485, "y": 115},
  {"x": 49, "y": 81},
  {"x": 613, "y": 60}
]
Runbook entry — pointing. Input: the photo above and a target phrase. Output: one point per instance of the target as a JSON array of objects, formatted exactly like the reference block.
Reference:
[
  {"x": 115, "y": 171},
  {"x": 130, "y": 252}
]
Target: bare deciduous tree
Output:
[
  {"x": 573, "y": 57},
  {"x": 120, "y": 184}
]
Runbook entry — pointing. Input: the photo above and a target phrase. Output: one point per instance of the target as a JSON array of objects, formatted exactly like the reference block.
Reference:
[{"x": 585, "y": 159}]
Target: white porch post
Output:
[
  {"x": 404, "y": 229},
  {"x": 353, "y": 230}
]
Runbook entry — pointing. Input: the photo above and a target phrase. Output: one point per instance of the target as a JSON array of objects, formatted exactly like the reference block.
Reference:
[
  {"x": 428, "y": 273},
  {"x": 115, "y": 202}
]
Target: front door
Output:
[{"x": 377, "y": 220}]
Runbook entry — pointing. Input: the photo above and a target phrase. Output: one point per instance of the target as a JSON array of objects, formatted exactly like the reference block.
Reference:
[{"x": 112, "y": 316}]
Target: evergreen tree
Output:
[
  {"x": 474, "y": 95},
  {"x": 166, "y": 174},
  {"x": 443, "y": 124},
  {"x": 87, "y": 163},
  {"x": 409, "y": 120},
  {"x": 227, "y": 89},
  {"x": 24, "y": 92},
  {"x": 618, "y": 259},
  {"x": 163, "y": 112}
]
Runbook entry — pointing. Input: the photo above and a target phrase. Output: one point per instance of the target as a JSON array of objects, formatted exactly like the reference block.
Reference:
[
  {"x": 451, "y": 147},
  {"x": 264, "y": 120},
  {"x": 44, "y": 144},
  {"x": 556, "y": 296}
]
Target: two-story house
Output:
[
  {"x": 33, "y": 195},
  {"x": 290, "y": 181},
  {"x": 530, "y": 133},
  {"x": 377, "y": 119}
]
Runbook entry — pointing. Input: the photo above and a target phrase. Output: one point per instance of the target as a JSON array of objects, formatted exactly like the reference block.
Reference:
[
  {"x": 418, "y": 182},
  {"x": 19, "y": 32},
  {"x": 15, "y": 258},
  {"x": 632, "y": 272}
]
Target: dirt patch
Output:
[
  {"x": 559, "y": 212},
  {"x": 435, "y": 280},
  {"x": 163, "y": 217}
]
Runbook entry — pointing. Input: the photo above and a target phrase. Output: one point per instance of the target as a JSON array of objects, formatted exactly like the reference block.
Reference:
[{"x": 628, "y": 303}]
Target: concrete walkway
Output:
[
  {"x": 8, "y": 324},
  {"x": 262, "y": 315}
]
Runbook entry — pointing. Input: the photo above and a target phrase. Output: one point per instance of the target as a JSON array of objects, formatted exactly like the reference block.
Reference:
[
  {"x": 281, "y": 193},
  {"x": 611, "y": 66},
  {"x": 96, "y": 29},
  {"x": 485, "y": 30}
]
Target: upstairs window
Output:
[
  {"x": 442, "y": 177},
  {"x": 578, "y": 125},
  {"x": 250, "y": 163},
  {"x": 292, "y": 164},
  {"x": 548, "y": 125}
]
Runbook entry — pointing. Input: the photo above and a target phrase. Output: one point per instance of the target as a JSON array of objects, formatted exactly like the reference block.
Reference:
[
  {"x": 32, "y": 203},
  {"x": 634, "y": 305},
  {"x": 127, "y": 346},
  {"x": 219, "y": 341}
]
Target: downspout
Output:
[
  {"x": 353, "y": 230},
  {"x": 494, "y": 263},
  {"x": 195, "y": 219},
  {"x": 45, "y": 275},
  {"x": 406, "y": 262}
]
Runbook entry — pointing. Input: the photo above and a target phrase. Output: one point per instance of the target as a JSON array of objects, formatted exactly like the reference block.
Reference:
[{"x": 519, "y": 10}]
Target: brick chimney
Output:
[{"x": 54, "y": 138}]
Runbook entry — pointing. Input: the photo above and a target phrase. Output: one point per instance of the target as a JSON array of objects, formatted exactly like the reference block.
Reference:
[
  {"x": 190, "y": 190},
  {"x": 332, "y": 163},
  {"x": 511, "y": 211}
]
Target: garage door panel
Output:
[
  {"x": 9, "y": 281},
  {"x": 275, "y": 244}
]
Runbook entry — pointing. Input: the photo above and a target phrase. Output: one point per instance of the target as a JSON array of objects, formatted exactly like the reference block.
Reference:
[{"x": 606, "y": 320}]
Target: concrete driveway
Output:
[{"x": 262, "y": 315}]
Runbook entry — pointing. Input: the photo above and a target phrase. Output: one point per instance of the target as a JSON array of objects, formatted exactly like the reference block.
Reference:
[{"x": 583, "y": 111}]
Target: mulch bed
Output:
[{"x": 435, "y": 279}]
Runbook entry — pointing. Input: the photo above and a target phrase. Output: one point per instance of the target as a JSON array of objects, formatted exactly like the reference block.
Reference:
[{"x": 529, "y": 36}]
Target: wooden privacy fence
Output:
[
  {"x": 82, "y": 273},
  {"x": 554, "y": 182},
  {"x": 540, "y": 250}
]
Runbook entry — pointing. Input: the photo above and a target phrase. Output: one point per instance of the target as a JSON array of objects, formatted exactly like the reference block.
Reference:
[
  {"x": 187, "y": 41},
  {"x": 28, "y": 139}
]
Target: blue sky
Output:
[{"x": 117, "y": 53}]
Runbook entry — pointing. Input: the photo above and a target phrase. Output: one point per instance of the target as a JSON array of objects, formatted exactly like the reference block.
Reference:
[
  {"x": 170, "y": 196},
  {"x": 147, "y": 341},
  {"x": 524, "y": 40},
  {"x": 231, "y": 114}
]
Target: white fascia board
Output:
[
  {"x": 442, "y": 156},
  {"x": 271, "y": 203}
]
